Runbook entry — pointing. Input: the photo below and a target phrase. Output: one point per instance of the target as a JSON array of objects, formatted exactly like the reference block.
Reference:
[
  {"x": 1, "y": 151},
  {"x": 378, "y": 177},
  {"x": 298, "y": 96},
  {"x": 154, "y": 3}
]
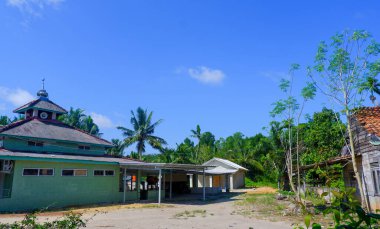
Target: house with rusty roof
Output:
[
  {"x": 366, "y": 129},
  {"x": 45, "y": 163}
]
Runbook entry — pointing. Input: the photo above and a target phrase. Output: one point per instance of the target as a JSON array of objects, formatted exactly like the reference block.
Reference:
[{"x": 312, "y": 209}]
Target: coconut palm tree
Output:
[
  {"x": 372, "y": 85},
  {"x": 142, "y": 132},
  {"x": 73, "y": 118},
  {"x": 4, "y": 120},
  {"x": 118, "y": 149},
  {"x": 197, "y": 133},
  {"x": 78, "y": 119}
]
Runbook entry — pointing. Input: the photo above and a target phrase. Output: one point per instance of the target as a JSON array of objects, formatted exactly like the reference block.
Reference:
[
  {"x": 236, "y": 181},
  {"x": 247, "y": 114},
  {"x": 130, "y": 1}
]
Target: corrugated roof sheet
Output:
[
  {"x": 220, "y": 170},
  {"x": 51, "y": 129},
  {"x": 123, "y": 162},
  {"x": 42, "y": 104},
  {"x": 227, "y": 162},
  {"x": 4, "y": 152}
]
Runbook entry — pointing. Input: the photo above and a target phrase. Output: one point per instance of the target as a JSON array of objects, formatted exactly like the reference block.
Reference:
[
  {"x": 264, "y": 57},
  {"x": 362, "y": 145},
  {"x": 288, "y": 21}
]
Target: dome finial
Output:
[{"x": 43, "y": 93}]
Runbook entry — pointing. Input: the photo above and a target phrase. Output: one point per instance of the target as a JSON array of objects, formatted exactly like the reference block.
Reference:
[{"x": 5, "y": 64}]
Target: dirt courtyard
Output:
[{"x": 221, "y": 213}]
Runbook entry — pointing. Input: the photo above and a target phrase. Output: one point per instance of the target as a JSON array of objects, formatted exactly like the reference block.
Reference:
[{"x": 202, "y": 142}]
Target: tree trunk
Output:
[{"x": 354, "y": 165}]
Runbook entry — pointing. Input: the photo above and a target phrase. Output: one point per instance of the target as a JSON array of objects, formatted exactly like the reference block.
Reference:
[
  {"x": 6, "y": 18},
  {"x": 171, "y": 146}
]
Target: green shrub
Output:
[{"x": 69, "y": 221}]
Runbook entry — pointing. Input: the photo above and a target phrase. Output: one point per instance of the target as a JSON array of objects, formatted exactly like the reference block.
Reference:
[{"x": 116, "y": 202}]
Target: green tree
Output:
[
  {"x": 78, "y": 119},
  {"x": 339, "y": 69},
  {"x": 142, "y": 132},
  {"x": 118, "y": 148},
  {"x": 371, "y": 85},
  {"x": 73, "y": 118},
  {"x": 290, "y": 111},
  {"x": 4, "y": 120},
  {"x": 197, "y": 133},
  {"x": 88, "y": 125}
]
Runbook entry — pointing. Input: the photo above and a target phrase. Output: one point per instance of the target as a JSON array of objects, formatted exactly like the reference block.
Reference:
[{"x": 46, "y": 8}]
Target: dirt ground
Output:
[{"x": 220, "y": 213}]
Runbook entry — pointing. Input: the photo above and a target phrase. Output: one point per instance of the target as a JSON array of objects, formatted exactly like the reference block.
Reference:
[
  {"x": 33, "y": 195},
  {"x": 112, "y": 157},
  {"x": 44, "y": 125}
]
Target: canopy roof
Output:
[
  {"x": 220, "y": 170},
  {"x": 218, "y": 161},
  {"x": 51, "y": 129},
  {"x": 123, "y": 162},
  {"x": 41, "y": 104},
  {"x": 11, "y": 155}
]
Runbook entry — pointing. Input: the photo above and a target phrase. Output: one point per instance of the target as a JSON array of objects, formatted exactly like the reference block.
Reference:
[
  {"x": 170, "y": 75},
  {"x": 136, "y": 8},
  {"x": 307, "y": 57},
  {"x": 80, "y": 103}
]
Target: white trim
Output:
[
  {"x": 104, "y": 172},
  {"x": 38, "y": 173},
  {"x": 74, "y": 173}
]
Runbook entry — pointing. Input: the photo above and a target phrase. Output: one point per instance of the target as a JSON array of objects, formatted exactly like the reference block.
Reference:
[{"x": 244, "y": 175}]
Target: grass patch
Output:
[
  {"x": 256, "y": 184},
  {"x": 187, "y": 214}
]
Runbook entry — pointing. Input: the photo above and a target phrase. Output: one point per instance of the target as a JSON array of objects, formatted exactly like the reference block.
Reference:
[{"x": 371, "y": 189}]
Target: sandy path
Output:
[
  {"x": 217, "y": 215},
  {"x": 221, "y": 214}
]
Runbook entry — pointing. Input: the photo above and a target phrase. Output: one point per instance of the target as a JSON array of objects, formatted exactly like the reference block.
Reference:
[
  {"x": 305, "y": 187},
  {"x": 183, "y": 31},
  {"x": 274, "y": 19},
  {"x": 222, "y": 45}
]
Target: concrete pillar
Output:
[
  {"x": 159, "y": 187},
  {"x": 170, "y": 184},
  {"x": 231, "y": 180},
  {"x": 124, "y": 183},
  {"x": 210, "y": 180},
  {"x": 138, "y": 183},
  {"x": 164, "y": 185},
  {"x": 191, "y": 176},
  {"x": 204, "y": 185}
]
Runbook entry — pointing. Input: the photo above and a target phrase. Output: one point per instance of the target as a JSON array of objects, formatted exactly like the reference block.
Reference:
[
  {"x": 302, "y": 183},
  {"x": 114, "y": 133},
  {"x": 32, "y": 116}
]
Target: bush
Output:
[
  {"x": 69, "y": 221},
  {"x": 249, "y": 183}
]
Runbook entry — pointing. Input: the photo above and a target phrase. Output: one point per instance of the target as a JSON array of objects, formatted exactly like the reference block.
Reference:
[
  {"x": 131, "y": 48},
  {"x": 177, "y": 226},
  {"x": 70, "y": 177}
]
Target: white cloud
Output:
[
  {"x": 34, "y": 7},
  {"x": 206, "y": 75},
  {"x": 101, "y": 120},
  {"x": 274, "y": 76},
  {"x": 17, "y": 97}
]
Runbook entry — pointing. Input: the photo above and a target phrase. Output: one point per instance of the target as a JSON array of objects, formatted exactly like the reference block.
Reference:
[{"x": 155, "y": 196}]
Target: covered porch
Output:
[{"x": 159, "y": 181}]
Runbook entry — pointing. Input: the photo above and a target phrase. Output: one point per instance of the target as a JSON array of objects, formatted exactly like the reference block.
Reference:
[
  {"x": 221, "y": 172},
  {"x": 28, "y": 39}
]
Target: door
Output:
[{"x": 216, "y": 181}]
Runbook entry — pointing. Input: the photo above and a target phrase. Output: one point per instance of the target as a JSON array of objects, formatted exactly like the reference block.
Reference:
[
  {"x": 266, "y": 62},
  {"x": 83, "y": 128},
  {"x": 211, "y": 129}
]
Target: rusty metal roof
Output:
[
  {"x": 41, "y": 104},
  {"x": 51, "y": 129}
]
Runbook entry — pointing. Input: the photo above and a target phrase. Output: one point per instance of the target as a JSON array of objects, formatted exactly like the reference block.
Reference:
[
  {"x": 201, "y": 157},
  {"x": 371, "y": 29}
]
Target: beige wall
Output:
[{"x": 238, "y": 179}]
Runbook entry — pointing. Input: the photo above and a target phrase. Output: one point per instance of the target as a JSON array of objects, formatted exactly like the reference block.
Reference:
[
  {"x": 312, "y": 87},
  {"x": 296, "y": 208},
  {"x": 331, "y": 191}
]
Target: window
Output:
[
  {"x": 74, "y": 172},
  {"x": 98, "y": 172},
  {"x": 375, "y": 171},
  {"x": 32, "y": 143},
  {"x": 110, "y": 172},
  {"x": 84, "y": 147},
  {"x": 38, "y": 172},
  {"x": 104, "y": 172}
]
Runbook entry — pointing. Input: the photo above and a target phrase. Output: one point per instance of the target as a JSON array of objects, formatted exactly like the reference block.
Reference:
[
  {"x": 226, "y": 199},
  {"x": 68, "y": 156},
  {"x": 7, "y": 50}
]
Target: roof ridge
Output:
[
  {"x": 15, "y": 124},
  {"x": 25, "y": 105},
  {"x": 62, "y": 124},
  {"x": 34, "y": 102},
  {"x": 75, "y": 128}
]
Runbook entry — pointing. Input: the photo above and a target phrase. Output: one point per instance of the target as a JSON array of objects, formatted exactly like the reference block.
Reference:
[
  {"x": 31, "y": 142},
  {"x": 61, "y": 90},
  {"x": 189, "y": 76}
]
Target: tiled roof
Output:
[
  {"x": 369, "y": 118},
  {"x": 51, "y": 129},
  {"x": 41, "y": 104}
]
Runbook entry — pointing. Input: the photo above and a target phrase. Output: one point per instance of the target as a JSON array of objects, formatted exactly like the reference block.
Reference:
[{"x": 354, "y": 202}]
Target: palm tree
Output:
[
  {"x": 88, "y": 125},
  {"x": 73, "y": 118},
  {"x": 198, "y": 135},
  {"x": 372, "y": 85},
  {"x": 118, "y": 149},
  {"x": 4, "y": 120},
  {"x": 78, "y": 119},
  {"x": 142, "y": 132}
]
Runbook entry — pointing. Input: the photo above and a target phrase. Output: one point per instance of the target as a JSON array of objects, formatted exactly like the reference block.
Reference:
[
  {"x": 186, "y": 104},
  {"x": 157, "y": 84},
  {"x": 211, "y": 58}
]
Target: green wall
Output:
[
  {"x": 51, "y": 146},
  {"x": 38, "y": 192}
]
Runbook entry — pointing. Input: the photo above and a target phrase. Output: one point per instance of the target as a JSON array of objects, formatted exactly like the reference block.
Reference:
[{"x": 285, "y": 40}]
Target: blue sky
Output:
[{"x": 209, "y": 62}]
